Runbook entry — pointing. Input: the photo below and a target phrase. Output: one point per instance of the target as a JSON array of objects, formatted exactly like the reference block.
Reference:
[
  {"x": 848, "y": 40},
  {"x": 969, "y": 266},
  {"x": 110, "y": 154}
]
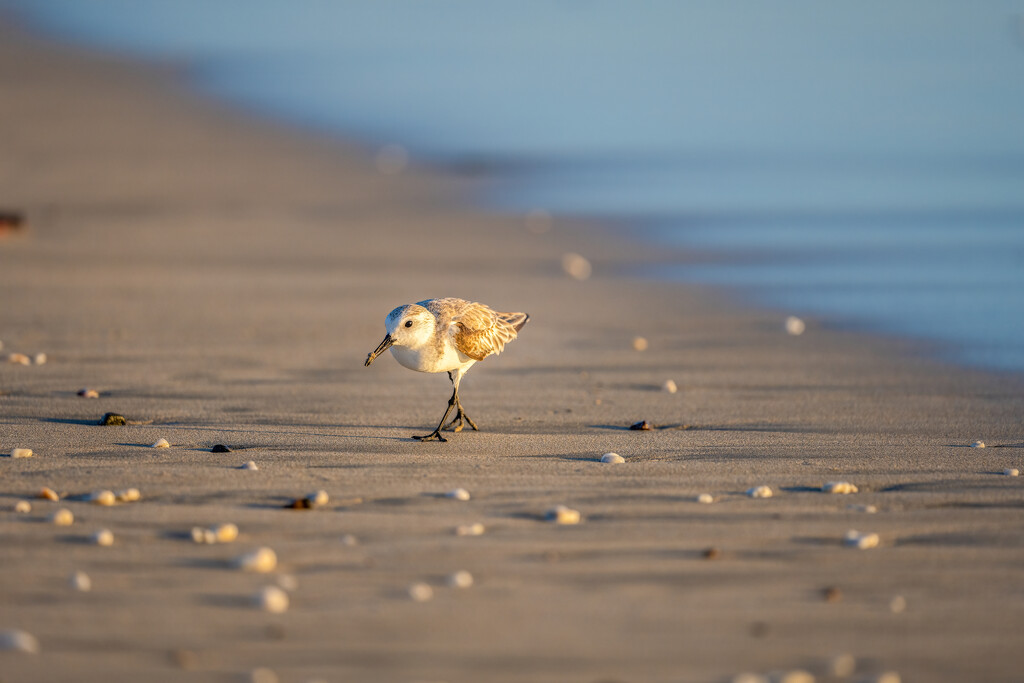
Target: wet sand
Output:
[{"x": 220, "y": 279}]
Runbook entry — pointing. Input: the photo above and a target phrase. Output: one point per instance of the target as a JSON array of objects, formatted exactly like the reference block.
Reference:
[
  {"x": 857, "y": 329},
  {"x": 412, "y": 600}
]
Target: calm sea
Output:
[{"x": 858, "y": 161}]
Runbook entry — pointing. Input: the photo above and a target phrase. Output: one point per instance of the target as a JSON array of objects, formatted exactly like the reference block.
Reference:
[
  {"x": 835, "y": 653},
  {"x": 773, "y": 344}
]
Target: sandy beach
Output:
[{"x": 219, "y": 279}]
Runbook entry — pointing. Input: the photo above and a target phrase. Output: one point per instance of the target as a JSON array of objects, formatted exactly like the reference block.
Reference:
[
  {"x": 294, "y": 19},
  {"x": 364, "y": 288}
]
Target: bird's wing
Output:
[{"x": 478, "y": 332}]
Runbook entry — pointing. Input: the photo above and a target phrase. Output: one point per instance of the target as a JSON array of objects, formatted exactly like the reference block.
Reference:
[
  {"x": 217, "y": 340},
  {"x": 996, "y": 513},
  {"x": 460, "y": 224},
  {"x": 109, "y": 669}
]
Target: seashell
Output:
[
  {"x": 420, "y": 592},
  {"x": 560, "y": 514},
  {"x": 81, "y": 582},
  {"x": 856, "y": 539},
  {"x": 160, "y": 443},
  {"x": 62, "y": 517},
  {"x": 640, "y": 344},
  {"x": 613, "y": 458},
  {"x": 88, "y": 393},
  {"x": 887, "y": 677},
  {"x": 1011, "y": 472},
  {"x": 318, "y": 498},
  {"x": 796, "y": 676},
  {"x": 288, "y": 582},
  {"x": 224, "y": 533},
  {"x": 19, "y": 641},
  {"x": 105, "y": 498},
  {"x": 475, "y": 529},
  {"x": 750, "y": 678},
  {"x": 261, "y": 561},
  {"x": 839, "y": 487},
  {"x": 460, "y": 579},
  {"x": 576, "y": 266},
  {"x": 978, "y": 444},
  {"x": 641, "y": 426},
  {"x": 23, "y": 506},
  {"x": 19, "y": 359},
  {"x": 669, "y": 386},
  {"x": 898, "y": 604},
  {"x": 760, "y": 492},
  {"x": 220, "y": 448},
  {"x": 795, "y": 326},
  {"x": 129, "y": 495},
  {"x": 48, "y": 493},
  {"x": 843, "y": 665},
  {"x": 112, "y": 420},
  {"x": 458, "y": 494},
  {"x": 103, "y": 537},
  {"x": 251, "y": 466},
  {"x": 272, "y": 599},
  {"x": 39, "y": 359},
  {"x": 21, "y": 453},
  {"x": 705, "y": 498}
]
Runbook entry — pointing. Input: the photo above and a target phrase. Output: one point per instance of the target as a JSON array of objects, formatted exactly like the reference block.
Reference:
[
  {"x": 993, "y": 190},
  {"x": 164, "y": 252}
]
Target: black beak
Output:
[{"x": 384, "y": 346}]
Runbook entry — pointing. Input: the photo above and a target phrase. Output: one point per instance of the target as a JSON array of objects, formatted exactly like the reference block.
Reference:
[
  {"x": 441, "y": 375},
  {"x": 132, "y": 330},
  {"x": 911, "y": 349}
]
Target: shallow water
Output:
[{"x": 863, "y": 162}]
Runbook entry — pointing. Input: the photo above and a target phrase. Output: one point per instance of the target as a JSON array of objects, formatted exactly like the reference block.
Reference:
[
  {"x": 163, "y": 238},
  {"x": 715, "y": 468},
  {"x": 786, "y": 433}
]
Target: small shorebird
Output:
[{"x": 447, "y": 335}]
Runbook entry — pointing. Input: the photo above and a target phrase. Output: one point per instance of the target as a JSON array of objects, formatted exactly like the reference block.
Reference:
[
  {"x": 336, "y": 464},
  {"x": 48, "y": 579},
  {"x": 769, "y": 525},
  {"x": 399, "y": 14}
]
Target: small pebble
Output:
[
  {"x": 48, "y": 494},
  {"x": 129, "y": 495},
  {"x": 39, "y": 359},
  {"x": 460, "y": 579},
  {"x": 842, "y": 487},
  {"x": 832, "y": 594},
  {"x": 160, "y": 443},
  {"x": 19, "y": 359},
  {"x": 105, "y": 498},
  {"x": 711, "y": 553},
  {"x": 260, "y": 561},
  {"x": 112, "y": 420},
  {"x": 263, "y": 675},
  {"x": 843, "y": 665},
  {"x": 856, "y": 539},
  {"x": 576, "y": 266},
  {"x": 641, "y": 426},
  {"x": 21, "y": 453},
  {"x": 898, "y": 604},
  {"x": 250, "y": 465},
  {"x": 103, "y": 537},
  {"x": 1011, "y": 472},
  {"x": 318, "y": 498},
  {"x": 288, "y": 582},
  {"x": 81, "y": 582},
  {"x": 220, "y": 448},
  {"x": 978, "y": 444},
  {"x": 795, "y": 326},
  {"x": 475, "y": 529},
  {"x": 706, "y": 498},
  {"x": 560, "y": 514},
  {"x": 272, "y": 599},
  {"x": 225, "y": 533},
  {"x": 669, "y": 386},
  {"x": 19, "y": 641},
  {"x": 869, "y": 509},
  {"x": 23, "y": 506},
  {"x": 88, "y": 393},
  {"x": 62, "y": 517},
  {"x": 640, "y": 344},
  {"x": 458, "y": 494},
  {"x": 201, "y": 535},
  {"x": 760, "y": 492},
  {"x": 420, "y": 592},
  {"x": 613, "y": 458}
]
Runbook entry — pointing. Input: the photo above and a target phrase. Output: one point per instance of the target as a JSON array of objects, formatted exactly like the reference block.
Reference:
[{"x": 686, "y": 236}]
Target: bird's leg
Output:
[
  {"x": 436, "y": 434},
  {"x": 458, "y": 422}
]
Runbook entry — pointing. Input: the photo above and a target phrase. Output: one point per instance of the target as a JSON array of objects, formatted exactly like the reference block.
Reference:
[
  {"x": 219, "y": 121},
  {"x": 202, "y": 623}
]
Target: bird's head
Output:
[{"x": 410, "y": 325}]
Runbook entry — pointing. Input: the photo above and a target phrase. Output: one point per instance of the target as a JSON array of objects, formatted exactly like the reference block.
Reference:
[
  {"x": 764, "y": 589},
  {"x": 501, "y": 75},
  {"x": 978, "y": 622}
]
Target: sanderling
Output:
[{"x": 447, "y": 335}]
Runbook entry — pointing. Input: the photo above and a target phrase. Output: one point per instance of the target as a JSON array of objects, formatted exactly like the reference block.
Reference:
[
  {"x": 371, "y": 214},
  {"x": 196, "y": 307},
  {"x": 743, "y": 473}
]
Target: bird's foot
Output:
[
  {"x": 458, "y": 422},
  {"x": 432, "y": 436}
]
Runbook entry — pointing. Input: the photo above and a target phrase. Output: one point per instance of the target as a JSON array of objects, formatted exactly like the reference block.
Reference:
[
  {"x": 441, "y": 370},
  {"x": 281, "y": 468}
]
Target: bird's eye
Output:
[{"x": 408, "y": 323}]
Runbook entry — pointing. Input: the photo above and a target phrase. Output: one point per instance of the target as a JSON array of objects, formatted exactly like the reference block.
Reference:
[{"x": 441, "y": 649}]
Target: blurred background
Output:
[{"x": 858, "y": 161}]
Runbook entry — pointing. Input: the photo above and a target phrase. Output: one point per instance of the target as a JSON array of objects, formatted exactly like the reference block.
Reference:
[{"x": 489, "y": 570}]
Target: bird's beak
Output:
[{"x": 384, "y": 346}]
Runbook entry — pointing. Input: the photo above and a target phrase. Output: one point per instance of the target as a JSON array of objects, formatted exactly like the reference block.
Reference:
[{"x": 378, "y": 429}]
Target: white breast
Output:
[{"x": 426, "y": 359}]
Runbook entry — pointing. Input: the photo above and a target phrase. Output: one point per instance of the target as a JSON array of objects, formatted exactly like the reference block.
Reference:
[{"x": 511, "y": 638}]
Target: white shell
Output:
[
  {"x": 640, "y": 344},
  {"x": 613, "y": 458},
  {"x": 856, "y": 539},
  {"x": 842, "y": 487},
  {"x": 23, "y": 506},
  {"x": 458, "y": 494},
  {"x": 760, "y": 492},
  {"x": 105, "y": 498},
  {"x": 62, "y": 517},
  {"x": 669, "y": 386},
  {"x": 40, "y": 359},
  {"x": 560, "y": 514},
  {"x": 420, "y": 592},
  {"x": 88, "y": 393},
  {"x": 161, "y": 443},
  {"x": 318, "y": 498},
  {"x": 80, "y": 581},
  {"x": 705, "y": 498},
  {"x": 795, "y": 326},
  {"x": 104, "y": 537},
  {"x": 129, "y": 495},
  {"x": 48, "y": 493},
  {"x": 475, "y": 529},
  {"x": 251, "y": 465},
  {"x": 460, "y": 579},
  {"x": 576, "y": 266},
  {"x": 21, "y": 453},
  {"x": 260, "y": 561},
  {"x": 272, "y": 599},
  {"x": 19, "y": 641},
  {"x": 1011, "y": 472},
  {"x": 978, "y": 444},
  {"x": 19, "y": 359},
  {"x": 225, "y": 533}
]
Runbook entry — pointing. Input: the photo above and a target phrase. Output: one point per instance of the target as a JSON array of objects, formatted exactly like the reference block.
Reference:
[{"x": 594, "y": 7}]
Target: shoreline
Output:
[{"x": 223, "y": 277}]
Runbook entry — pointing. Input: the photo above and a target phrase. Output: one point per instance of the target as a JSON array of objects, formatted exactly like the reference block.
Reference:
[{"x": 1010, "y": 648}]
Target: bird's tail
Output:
[{"x": 516, "y": 320}]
